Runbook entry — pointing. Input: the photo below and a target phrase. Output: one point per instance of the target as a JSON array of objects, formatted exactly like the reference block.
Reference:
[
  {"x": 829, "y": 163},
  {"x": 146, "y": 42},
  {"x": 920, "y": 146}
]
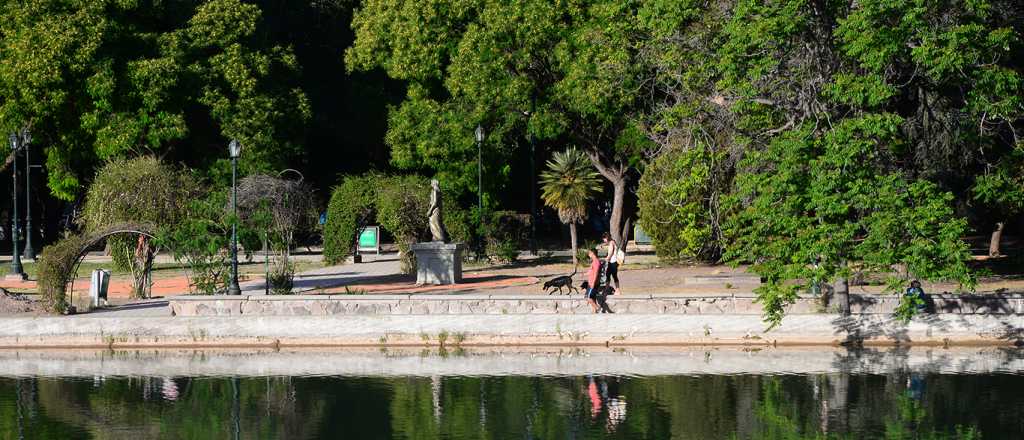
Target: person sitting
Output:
[{"x": 916, "y": 293}]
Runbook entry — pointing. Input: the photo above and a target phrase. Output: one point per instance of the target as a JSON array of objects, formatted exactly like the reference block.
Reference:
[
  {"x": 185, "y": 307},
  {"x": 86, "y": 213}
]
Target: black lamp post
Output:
[
  {"x": 480, "y": 169},
  {"x": 234, "y": 150},
  {"x": 16, "y": 140},
  {"x": 30, "y": 252}
]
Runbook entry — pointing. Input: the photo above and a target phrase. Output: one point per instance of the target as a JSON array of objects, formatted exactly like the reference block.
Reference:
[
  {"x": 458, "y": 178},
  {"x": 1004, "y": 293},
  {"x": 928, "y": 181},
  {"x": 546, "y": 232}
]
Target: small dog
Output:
[
  {"x": 560, "y": 282},
  {"x": 602, "y": 296}
]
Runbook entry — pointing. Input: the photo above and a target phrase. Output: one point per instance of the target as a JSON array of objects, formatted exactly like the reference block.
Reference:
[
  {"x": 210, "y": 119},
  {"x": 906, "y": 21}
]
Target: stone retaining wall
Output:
[{"x": 330, "y": 305}]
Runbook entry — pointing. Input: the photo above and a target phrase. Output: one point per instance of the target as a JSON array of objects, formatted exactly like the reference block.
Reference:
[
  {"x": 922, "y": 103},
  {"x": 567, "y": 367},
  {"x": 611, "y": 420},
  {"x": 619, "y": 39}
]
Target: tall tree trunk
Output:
[
  {"x": 572, "y": 237},
  {"x": 618, "y": 175},
  {"x": 618, "y": 200},
  {"x": 996, "y": 240}
]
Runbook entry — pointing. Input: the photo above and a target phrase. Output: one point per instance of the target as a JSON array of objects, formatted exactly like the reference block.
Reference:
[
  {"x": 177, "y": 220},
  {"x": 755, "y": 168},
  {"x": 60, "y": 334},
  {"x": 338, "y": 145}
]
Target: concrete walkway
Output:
[{"x": 372, "y": 267}]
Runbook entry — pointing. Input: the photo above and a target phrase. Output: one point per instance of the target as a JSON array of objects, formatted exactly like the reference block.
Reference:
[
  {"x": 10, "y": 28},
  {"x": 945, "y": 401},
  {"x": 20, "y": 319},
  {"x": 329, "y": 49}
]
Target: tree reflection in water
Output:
[{"x": 824, "y": 406}]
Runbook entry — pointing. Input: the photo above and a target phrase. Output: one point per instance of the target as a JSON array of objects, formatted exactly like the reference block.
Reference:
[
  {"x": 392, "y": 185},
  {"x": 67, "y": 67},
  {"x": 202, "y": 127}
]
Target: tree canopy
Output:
[
  {"x": 532, "y": 70},
  {"x": 105, "y": 79}
]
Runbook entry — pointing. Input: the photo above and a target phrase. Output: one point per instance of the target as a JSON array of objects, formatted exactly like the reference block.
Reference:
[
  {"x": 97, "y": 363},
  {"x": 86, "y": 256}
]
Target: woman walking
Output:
[
  {"x": 613, "y": 258},
  {"x": 593, "y": 280}
]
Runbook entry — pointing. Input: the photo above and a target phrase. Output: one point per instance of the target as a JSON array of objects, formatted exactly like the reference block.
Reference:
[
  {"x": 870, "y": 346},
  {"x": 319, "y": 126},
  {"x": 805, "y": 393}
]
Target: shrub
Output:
[
  {"x": 583, "y": 255},
  {"x": 675, "y": 196},
  {"x": 398, "y": 204},
  {"x": 56, "y": 267},
  {"x": 122, "y": 252},
  {"x": 402, "y": 204},
  {"x": 142, "y": 190},
  {"x": 459, "y": 222},
  {"x": 352, "y": 206},
  {"x": 278, "y": 207},
  {"x": 200, "y": 240},
  {"x": 505, "y": 234},
  {"x": 502, "y": 251},
  {"x": 139, "y": 190},
  {"x": 282, "y": 279}
]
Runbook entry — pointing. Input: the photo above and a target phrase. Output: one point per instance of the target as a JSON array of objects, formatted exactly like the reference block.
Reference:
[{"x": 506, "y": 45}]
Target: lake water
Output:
[{"x": 650, "y": 393}]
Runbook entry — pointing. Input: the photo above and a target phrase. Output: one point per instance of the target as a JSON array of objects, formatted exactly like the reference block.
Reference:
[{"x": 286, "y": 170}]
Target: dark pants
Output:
[{"x": 612, "y": 273}]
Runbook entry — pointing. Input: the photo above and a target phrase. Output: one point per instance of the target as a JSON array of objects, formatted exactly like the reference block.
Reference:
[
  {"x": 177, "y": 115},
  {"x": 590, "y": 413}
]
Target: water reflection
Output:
[{"x": 899, "y": 404}]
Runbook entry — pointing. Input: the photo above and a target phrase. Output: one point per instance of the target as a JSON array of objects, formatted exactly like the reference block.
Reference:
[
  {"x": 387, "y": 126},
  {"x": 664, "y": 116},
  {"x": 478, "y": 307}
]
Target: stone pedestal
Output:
[{"x": 438, "y": 262}]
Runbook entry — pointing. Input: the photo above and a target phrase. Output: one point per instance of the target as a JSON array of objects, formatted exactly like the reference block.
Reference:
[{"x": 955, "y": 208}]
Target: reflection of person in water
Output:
[
  {"x": 616, "y": 412},
  {"x": 595, "y": 399},
  {"x": 915, "y": 386},
  {"x": 604, "y": 393}
]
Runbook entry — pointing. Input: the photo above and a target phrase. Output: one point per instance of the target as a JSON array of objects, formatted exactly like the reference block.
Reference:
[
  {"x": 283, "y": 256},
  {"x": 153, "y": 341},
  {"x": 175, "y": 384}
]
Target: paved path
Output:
[{"x": 373, "y": 267}]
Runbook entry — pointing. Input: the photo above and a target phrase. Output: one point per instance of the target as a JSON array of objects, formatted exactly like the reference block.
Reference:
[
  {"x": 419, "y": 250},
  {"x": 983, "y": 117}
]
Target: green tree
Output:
[
  {"x": 847, "y": 130},
  {"x": 567, "y": 186},
  {"x": 534, "y": 69},
  {"x": 108, "y": 78}
]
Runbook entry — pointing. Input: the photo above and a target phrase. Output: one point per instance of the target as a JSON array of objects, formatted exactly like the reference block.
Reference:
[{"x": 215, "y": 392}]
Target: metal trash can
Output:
[{"x": 98, "y": 287}]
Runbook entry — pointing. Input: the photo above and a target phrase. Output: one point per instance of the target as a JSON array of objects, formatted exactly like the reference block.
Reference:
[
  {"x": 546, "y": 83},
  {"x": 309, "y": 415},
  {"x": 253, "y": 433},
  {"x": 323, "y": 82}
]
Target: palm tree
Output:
[{"x": 567, "y": 185}]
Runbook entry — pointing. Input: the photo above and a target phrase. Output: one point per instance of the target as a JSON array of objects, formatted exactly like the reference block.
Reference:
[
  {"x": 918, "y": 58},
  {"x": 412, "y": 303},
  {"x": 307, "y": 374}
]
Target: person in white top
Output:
[{"x": 614, "y": 257}]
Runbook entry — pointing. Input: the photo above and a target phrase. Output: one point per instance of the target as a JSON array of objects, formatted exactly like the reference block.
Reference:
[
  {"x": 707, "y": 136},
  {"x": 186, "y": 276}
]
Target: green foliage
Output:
[
  {"x": 140, "y": 190},
  {"x": 352, "y": 206},
  {"x": 678, "y": 204},
  {"x": 537, "y": 69},
  {"x": 398, "y": 203},
  {"x": 56, "y": 265},
  {"x": 201, "y": 240},
  {"x": 402, "y": 210},
  {"x": 568, "y": 185},
  {"x": 908, "y": 307},
  {"x": 108, "y": 78},
  {"x": 282, "y": 279},
  {"x": 122, "y": 251},
  {"x": 837, "y": 134},
  {"x": 505, "y": 234},
  {"x": 829, "y": 201},
  {"x": 1002, "y": 185}
]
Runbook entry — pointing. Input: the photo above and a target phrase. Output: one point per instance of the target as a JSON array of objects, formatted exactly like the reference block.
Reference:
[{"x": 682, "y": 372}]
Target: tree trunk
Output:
[
  {"x": 997, "y": 238},
  {"x": 618, "y": 175},
  {"x": 618, "y": 201},
  {"x": 572, "y": 237}
]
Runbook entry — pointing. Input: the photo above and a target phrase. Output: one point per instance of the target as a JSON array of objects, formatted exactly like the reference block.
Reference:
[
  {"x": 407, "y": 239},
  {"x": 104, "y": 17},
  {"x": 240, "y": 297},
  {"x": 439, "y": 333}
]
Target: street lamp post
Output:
[
  {"x": 234, "y": 150},
  {"x": 30, "y": 252},
  {"x": 480, "y": 169},
  {"x": 16, "y": 269}
]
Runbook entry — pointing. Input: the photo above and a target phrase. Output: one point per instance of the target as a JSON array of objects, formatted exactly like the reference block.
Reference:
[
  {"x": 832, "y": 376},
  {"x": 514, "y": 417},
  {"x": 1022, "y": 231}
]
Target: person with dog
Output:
[
  {"x": 593, "y": 280},
  {"x": 614, "y": 257},
  {"x": 597, "y": 294}
]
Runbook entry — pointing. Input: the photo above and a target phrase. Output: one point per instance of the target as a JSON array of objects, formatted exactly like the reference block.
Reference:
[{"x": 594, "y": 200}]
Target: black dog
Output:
[
  {"x": 602, "y": 295},
  {"x": 561, "y": 282}
]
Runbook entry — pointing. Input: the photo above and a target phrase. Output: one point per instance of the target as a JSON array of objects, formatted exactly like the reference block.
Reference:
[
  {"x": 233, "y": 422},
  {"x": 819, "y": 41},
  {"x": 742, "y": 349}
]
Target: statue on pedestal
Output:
[
  {"x": 437, "y": 230},
  {"x": 437, "y": 261}
]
